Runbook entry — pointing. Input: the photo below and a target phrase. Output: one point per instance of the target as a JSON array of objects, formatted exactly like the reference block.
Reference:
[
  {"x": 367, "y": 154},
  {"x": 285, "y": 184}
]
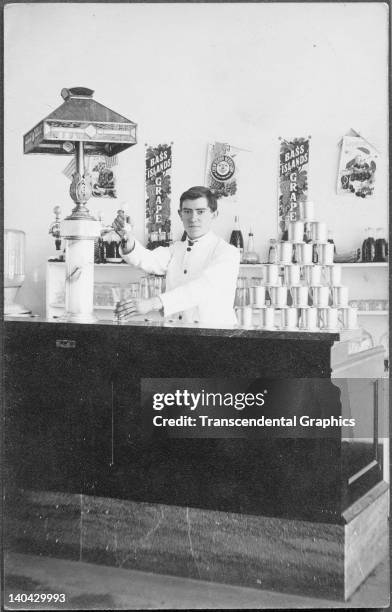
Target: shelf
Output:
[
  {"x": 242, "y": 265},
  {"x": 259, "y": 265},
  {"x": 382, "y": 264},
  {"x": 372, "y": 312},
  {"x": 105, "y": 265},
  {"x": 344, "y": 265},
  {"x": 95, "y": 307}
]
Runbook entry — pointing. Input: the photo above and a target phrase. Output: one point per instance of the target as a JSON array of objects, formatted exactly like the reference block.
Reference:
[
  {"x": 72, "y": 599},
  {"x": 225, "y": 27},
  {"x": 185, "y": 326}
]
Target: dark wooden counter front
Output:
[{"x": 73, "y": 416}]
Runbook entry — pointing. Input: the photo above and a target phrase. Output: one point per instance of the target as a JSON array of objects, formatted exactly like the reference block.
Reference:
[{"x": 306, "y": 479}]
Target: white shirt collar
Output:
[{"x": 202, "y": 240}]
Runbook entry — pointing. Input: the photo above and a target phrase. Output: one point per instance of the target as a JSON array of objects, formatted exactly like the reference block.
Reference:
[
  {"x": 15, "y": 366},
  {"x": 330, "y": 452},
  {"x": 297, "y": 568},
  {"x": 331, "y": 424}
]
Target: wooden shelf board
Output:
[{"x": 372, "y": 312}]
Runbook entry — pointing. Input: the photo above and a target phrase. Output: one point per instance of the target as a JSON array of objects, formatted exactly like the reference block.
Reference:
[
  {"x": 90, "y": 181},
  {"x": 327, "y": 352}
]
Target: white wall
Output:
[{"x": 192, "y": 74}]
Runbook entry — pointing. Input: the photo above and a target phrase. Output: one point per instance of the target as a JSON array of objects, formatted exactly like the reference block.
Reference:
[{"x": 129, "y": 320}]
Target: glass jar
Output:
[
  {"x": 113, "y": 252},
  {"x": 381, "y": 246},
  {"x": 14, "y": 249},
  {"x": 368, "y": 246}
]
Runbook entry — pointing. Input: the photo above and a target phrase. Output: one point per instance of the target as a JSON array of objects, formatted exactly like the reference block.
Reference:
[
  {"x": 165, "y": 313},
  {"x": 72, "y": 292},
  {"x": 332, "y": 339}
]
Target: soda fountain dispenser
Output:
[{"x": 80, "y": 127}]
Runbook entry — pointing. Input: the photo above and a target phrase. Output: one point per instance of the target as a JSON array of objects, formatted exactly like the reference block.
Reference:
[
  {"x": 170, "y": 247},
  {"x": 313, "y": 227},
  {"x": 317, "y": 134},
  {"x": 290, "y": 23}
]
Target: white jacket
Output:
[{"x": 200, "y": 279}]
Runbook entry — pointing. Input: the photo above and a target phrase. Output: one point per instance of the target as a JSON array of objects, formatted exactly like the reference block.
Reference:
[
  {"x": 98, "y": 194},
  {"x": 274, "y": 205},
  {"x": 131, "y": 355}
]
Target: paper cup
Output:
[
  {"x": 285, "y": 252},
  {"x": 309, "y": 319},
  {"x": 278, "y": 296}
]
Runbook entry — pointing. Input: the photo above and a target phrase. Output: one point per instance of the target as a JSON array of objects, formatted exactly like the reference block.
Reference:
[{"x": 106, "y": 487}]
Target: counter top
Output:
[{"x": 182, "y": 329}]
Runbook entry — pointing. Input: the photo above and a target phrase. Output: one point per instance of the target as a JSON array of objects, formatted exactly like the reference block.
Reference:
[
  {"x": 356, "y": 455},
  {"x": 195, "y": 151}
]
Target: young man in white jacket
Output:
[{"x": 201, "y": 272}]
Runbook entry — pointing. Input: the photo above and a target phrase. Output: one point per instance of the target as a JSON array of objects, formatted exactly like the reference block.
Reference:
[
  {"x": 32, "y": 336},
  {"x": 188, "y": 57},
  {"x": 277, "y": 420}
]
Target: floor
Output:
[{"x": 91, "y": 587}]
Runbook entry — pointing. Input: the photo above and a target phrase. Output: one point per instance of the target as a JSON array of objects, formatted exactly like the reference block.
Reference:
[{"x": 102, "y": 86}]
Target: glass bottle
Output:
[
  {"x": 152, "y": 241},
  {"x": 381, "y": 247},
  {"x": 236, "y": 238},
  {"x": 273, "y": 255},
  {"x": 98, "y": 243},
  {"x": 331, "y": 240},
  {"x": 364, "y": 243},
  {"x": 250, "y": 255},
  {"x": 315, "y": 257},
  {"x": 307, "y": 232},
  {"x": 162, "y": 238},
  {"x": 169, "y": 238}
]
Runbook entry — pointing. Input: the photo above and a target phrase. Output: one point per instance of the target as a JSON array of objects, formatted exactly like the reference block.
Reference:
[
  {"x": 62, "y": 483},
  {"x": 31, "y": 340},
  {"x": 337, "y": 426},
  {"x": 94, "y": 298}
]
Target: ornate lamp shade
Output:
[{"x": 81, "y": 119}]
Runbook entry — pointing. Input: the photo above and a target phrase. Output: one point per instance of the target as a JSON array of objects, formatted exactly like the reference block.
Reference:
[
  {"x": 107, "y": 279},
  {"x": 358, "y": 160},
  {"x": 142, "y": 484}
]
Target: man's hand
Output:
[
  {"x": 125, "y": 233},
  {"x": 135, "y": 306}
]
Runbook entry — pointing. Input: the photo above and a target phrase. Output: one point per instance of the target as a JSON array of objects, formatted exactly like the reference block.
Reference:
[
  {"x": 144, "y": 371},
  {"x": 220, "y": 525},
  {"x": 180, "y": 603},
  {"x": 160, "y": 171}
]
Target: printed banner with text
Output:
[
  {"x": 158, "y": 188},
  {"x": 293, "y": 179}
]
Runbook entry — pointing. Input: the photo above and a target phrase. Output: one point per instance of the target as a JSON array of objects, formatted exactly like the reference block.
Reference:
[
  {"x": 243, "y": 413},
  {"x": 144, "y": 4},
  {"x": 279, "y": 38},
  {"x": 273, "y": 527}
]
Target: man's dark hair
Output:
[{"x": 200, "y": 192}]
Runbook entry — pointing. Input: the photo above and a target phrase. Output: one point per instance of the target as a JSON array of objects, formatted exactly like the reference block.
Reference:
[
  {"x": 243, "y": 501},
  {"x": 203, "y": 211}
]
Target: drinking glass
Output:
[
  {"x": 241, "y": 282},
  {"x": 244, "y": 316},
  {"x": 241, "y": 297},
  {"x": 117, "y": 296},
  {"x": 131, "y": 291},
  {"x": 144, "y": 293}
]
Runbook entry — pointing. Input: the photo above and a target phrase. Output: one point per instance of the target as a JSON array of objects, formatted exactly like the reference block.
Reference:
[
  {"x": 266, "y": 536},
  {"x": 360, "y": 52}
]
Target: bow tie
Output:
[{"x": 191, "y": 242}]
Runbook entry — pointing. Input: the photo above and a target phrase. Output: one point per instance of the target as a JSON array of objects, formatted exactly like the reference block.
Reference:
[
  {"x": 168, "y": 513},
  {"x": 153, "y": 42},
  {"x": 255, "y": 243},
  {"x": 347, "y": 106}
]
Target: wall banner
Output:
[
  {"x": 293, "y": 179},
  {"x": 158, "y": 188},
  {"x": 222, "y": 169},
  {"x": 357, "y": 167}
]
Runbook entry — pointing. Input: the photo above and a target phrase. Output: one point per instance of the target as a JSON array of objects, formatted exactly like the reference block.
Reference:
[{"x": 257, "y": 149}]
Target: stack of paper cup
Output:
[
  {"x": 320, "y": 296},
  {"x": 306, "y": 211},
  {"x": 289, "y": 318},
  {"x": 296, "y": 231},
  {"x": 304, "y": 254},
  {"x": 271, "y": 274},
  {"x": 292, "y": 275},
  {"x": 285, "y": 252},
  {"x": 329, "y": 319},
  {"x": 309, "y": 319},
  {"x": 340, "y": 296},
  {"x": 319, "y": 232},
  {"x": 299, "y": 295},
  {"x": 325, "y": 253},
  {"x": 349, "y": 318},
  {"x": 313, "y": 275},
  {"x": 244, "y": 316},
  {"x": 257, "y": 296},
  {"x": 278, "y": 296},
  {"x": 334, "y": 275},
  {"x": 268, "y": 318}
]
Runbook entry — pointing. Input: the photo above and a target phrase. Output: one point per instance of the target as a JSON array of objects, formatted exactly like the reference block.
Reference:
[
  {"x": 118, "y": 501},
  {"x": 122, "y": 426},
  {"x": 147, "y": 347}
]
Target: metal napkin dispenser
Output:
[{"x": 81, "y": 119}]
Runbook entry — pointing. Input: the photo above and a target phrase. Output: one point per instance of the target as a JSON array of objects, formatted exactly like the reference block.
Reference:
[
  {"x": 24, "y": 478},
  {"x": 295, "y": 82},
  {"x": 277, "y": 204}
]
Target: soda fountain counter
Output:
[{"x": 85, "y": 479}]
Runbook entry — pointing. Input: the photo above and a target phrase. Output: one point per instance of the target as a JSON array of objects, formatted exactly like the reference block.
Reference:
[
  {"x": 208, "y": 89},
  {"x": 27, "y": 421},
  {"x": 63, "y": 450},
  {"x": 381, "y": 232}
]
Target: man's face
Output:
[{"x": 196, "y": 217}]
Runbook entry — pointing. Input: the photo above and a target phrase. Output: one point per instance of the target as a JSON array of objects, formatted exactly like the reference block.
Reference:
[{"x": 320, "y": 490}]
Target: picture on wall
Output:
[
  {"x": 100, "y": 168},
  {"x": 357, "y": 167},
  {"x": 222, "y": 170},
  {"x": 103, "y": 180}
]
